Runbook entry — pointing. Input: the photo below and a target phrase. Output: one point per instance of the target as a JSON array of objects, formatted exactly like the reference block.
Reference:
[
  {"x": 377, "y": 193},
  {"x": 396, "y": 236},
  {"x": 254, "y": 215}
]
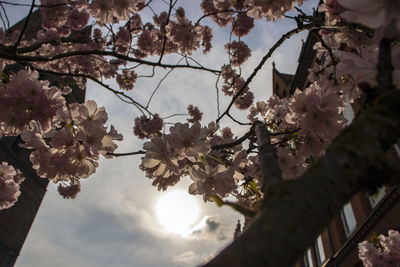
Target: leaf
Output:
[
  {"x": 217, "y": 200},
  {"x": 203, "y": 160},
  {"x": 5, "y": 77},
  {"x": 215, "y": 158},
  {"x": 237, "y": 207},
  {"x": 254, "y": 186}
]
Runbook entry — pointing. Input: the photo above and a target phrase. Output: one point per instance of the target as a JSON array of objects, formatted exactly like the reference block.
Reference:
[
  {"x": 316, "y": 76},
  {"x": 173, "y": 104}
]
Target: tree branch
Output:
[
  {"x": 267, "y": 155},
  {"x": 4, "y": 53},
  {"x": 25, "y": 25},
  {"x": 140, "y": 152},
  {"x": 236, "y": 142},
  {"x": 262, "y": 62},
  {"x": 119, "y": 94}
]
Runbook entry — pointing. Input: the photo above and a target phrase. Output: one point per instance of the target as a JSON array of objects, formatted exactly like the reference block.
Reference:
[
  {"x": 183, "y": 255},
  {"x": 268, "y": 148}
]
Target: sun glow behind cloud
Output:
[{"x": 177, "y": 211}]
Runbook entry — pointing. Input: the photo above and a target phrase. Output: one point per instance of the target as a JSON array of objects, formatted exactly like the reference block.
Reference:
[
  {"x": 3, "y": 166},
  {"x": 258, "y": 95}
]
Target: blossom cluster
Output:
[
  {"x": 25, "y": 98},
  {"x": 315, "y": 113},
  {"x": 70, "y": 151},
  {"x": 233, "y": 83},
  {"x": 10, "y": 180},
  {"x": 187, "y": 150},
  {"x": 66, "y": 29},
  {"x": 66, "y": 140},
  {"x": 381, "y": 250}
]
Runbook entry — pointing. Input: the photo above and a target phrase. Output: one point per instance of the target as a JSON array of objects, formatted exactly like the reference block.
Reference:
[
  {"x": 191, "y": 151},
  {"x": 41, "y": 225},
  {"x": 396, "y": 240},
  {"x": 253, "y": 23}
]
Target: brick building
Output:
[{"x": 360, "y": 218}]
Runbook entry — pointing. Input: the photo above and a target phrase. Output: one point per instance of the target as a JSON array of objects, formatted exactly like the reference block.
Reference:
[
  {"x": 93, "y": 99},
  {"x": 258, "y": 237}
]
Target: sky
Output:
[{"x": 113, "y": 220}]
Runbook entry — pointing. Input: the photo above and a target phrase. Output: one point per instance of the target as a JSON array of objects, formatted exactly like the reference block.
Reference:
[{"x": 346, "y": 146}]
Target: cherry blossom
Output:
[
  {"x": 127, "y": 79},
  {"x": 146, "y": 128},
  {"x": 381, "y": 250},
  {"x": 239, "y": 52},
  {"x": 121, "y": 41},
  {"x": 195, "y": 114},
  {"x": 25, "y": 98},
  {"x": 189, "y": 141},
  {"x": 374, "y": 13},
  {"x": 69, "y": 191},
  {"x": 10, "y": 179}
]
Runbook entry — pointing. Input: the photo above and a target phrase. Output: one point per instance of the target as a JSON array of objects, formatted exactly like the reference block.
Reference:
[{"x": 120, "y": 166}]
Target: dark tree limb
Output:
[
  {"x": 6, "y": 53},
  {"x": 267, "y": 155}
]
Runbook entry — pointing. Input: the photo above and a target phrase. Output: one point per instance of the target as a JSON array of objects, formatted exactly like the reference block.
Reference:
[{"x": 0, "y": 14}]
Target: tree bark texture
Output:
[{"x": 267, "y": 154}]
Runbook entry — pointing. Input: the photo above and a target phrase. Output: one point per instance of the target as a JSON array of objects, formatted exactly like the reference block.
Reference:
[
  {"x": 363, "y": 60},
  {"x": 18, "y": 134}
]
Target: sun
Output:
[{"x": 177, "y": 211}]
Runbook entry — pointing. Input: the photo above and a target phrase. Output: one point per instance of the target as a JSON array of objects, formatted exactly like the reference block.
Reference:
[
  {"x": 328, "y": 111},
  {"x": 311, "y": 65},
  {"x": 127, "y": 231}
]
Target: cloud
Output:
[
  {"x": 187, "y": 258},
  {"x": 210, "y": 228}
]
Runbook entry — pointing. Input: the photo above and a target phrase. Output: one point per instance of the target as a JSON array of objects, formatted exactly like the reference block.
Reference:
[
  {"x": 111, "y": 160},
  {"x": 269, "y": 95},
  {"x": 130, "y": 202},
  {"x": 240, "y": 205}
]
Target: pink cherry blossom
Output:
[
  {"x": 127, "y": 79},
  {"x": 381, "y": 250},
  {"x": 189, "y": 141},
  {"x": 69, "y": 191},
  {"x": 147, "y": 128},
  {"x": 271, "y": 10},
  {"x": 239, "y": 52},
  {"x": 211, "y": 181},
  {"x": 10, "y": 178},
  {"x": 160, "y": 159},
  {"x": 25, "y": 98},
  {"x": 195, "y": 114},
  {"x": 242, "y": 25},
  {"x": 383, "y": 14}
]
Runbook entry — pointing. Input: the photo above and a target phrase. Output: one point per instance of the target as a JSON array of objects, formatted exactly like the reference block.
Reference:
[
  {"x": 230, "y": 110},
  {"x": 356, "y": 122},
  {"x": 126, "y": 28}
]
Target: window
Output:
[
  {"x": 319, "y": 248},
  {"x": 349, "y": 220},
  {"x": 308, "y": 262},
  {"x": 348, "y": 112},
  {"x": 397, "y": 147},
  {"x": 375, "y": 198}
]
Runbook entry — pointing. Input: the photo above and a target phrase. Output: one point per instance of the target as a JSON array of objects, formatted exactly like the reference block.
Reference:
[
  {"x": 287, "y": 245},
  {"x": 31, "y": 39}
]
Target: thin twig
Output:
[
  {"x": 140, "y": 152},
  {"x": 175, "y": 115},
  {"x": 160, "y": 82},
  {"x": 238, "y": 122},
  {"x": 25, "y": 25},
  {"x": 5, "y": 15},
  {"x": 217, "y": 89},
  {"x": 236, "y": 142},
  {"x": 171, "y": 6}
]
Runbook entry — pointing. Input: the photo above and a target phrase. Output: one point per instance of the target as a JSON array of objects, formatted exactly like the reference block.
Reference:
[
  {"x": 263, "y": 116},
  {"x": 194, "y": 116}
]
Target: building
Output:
[
  {"x": 16, "y": 221},
  {"x": 360, "y": 218}
]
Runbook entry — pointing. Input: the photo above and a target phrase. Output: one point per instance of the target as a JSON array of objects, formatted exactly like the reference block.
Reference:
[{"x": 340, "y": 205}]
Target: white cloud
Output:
[{"x": 187, "y": 258}]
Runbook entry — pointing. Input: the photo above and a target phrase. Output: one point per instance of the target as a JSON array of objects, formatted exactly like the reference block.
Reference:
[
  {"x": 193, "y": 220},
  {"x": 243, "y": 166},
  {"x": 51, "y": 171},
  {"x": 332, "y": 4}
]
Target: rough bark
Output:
[
  {"x": 267, "y": 154},
  {"x": 295, "y": 212}
]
